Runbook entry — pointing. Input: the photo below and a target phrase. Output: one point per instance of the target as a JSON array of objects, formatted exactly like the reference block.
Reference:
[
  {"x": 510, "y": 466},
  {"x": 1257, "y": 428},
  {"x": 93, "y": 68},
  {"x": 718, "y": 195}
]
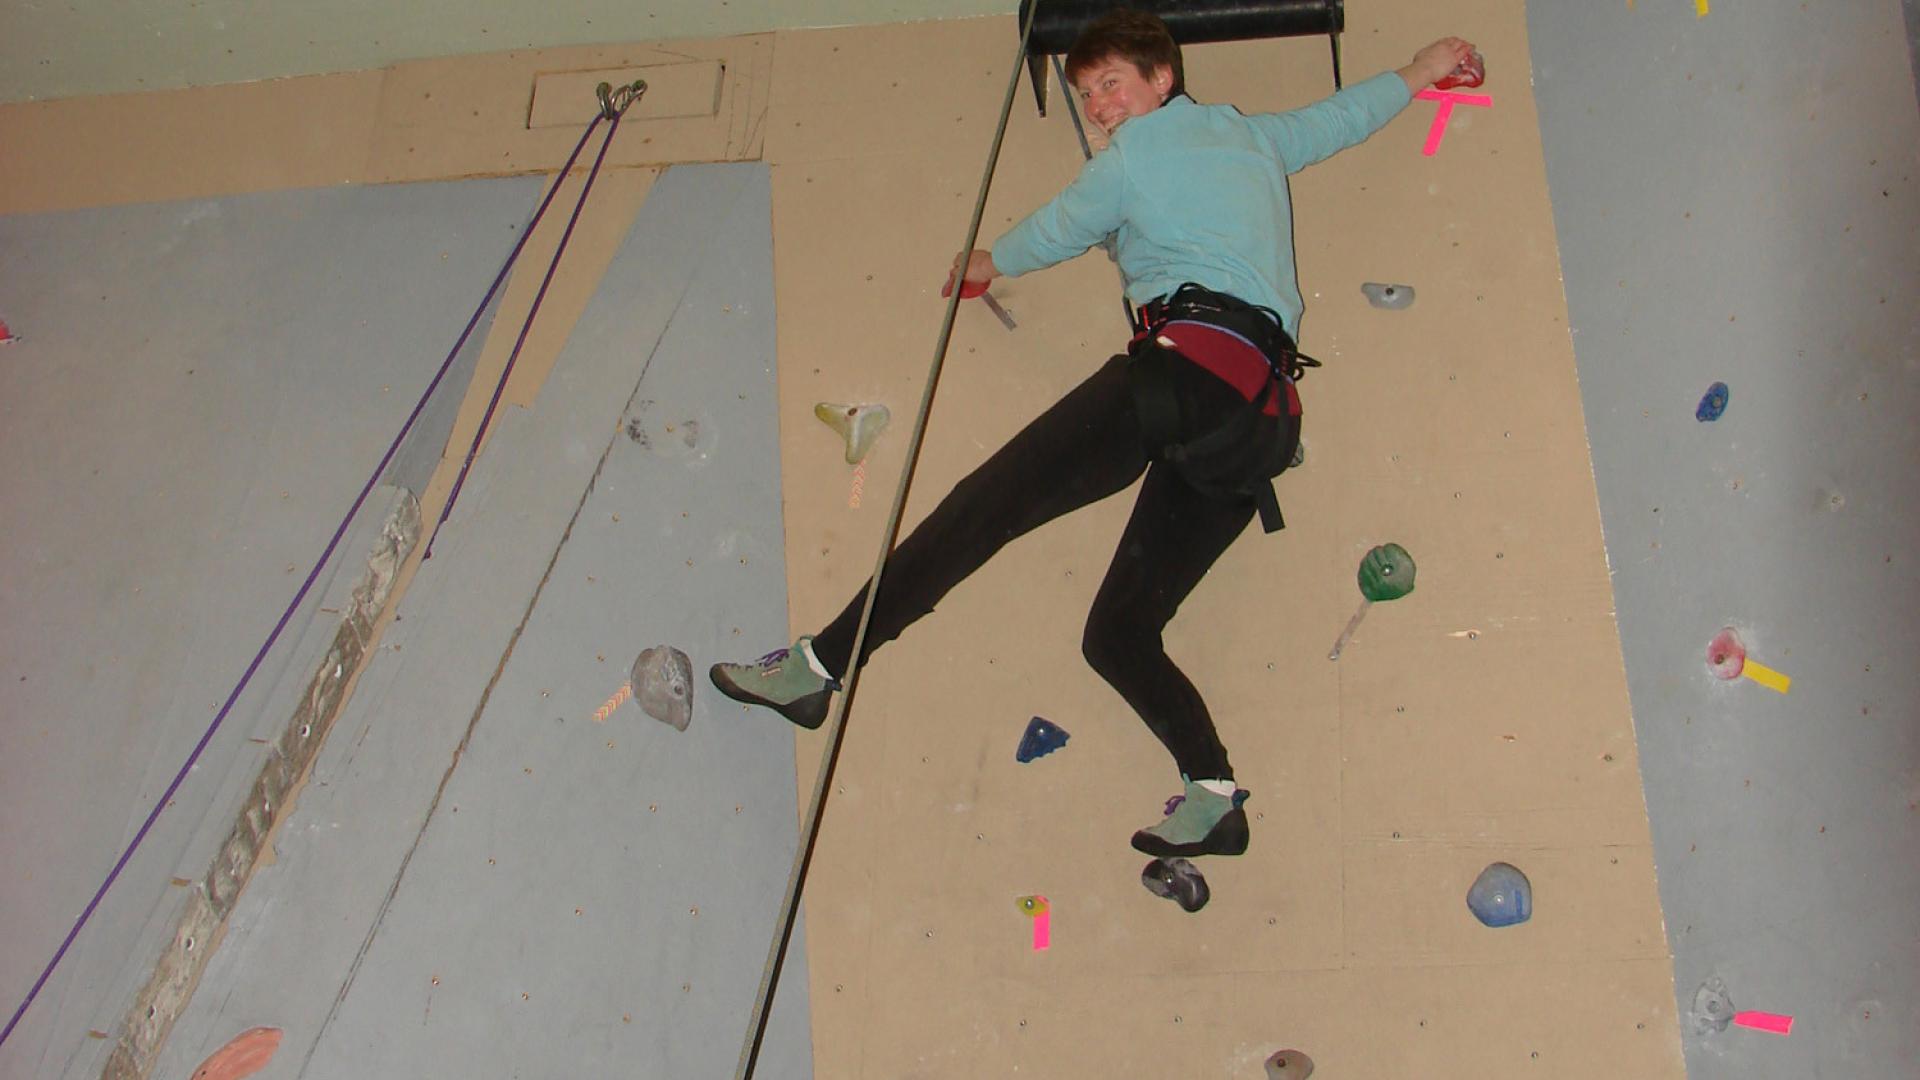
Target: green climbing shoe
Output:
[
  {"x": 1201, "y": 823},
  {"x": 783, "y": 681}
]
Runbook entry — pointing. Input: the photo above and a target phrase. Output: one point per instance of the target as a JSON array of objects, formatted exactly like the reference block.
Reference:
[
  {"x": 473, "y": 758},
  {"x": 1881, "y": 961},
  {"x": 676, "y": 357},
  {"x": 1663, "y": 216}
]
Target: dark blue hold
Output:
[
  {"x": 1712, "y": 404},
  {"x": 1043, "y": 737},
  {"x": 1501, "y": 896}
]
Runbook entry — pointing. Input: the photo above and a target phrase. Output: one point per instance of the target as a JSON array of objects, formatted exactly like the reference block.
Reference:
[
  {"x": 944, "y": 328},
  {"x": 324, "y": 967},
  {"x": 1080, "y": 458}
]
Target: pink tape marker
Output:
[
  {"x": 1765, "y": 1021},
  {"x": 1447, "y": 99},
  {"x": 1042, "y": 931}
]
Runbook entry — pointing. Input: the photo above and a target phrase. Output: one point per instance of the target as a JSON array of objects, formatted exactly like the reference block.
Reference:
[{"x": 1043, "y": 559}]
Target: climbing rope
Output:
[
  {"x": 619, "y": 106},
  {"x": 607, "y": 105},
  {"x": 837, "y": 720}
]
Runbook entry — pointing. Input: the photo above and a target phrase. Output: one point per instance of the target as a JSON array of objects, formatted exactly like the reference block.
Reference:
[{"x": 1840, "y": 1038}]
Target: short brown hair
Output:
[{"x": 1134, "y": 36}]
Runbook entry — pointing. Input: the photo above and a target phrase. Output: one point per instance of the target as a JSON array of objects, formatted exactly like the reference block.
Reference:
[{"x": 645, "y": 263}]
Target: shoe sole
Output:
[
  {"x": 808, "y": 711},
  {"x": 1229, "y": 836}
]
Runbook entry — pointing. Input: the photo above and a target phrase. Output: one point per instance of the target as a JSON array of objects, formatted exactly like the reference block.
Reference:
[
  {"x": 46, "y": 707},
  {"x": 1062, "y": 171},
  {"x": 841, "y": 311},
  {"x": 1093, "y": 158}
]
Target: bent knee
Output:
[{"x": 1112, "y": 648}]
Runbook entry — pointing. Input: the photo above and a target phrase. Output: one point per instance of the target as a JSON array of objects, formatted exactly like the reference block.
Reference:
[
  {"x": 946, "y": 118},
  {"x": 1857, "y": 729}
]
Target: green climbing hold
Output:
[{"x": 1386, "y": 573}]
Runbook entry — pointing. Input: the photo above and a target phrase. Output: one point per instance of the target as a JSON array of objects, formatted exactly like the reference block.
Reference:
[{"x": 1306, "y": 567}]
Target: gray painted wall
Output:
[
  {"x": 480, "y": 878},
  {"x": 68, "y": 50},
  {"x": 199, "y": 391},
  {"x": 1735, "y": 199}
]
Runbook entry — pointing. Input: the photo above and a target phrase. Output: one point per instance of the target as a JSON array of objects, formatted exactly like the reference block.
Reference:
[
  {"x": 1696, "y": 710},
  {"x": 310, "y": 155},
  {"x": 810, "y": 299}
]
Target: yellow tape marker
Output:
[
  {"x": 1701, "y": 7},
  {"x": 1766, "y": 676}
]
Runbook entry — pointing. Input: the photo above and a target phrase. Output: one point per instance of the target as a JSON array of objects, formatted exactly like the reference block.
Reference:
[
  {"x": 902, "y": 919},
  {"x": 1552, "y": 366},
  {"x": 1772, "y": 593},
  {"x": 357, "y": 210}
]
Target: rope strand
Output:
[{"x": 837, "y": 725}]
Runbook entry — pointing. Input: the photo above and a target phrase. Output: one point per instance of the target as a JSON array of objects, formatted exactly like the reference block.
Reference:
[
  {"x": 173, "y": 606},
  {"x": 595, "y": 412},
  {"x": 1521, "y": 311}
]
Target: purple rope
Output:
[
  {"x": 506, "y": 372},
  {"x": 313, "y": 576}
]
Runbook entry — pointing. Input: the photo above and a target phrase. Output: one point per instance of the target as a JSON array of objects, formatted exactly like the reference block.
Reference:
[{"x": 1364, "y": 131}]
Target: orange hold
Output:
[{"x": 247, "y": 1054}]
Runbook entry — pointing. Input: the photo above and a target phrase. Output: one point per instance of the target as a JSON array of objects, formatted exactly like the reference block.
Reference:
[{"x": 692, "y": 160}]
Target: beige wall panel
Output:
[
  {"x": 1404, "y": 905},
  {"x": 468, "y": 116},
  {"x": 1452, "y": 427},
  {"x": 1575, "y": 1018},
  {"x": 183, "y": 144}
]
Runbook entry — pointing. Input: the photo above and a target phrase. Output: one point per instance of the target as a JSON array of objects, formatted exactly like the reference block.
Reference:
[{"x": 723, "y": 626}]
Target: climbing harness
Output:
[
  {"x": 620, "y": 103},
  {"x": 1244, "y": 346}
]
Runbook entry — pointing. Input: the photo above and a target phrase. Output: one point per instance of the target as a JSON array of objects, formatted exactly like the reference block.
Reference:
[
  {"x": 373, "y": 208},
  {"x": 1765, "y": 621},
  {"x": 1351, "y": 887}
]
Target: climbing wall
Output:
[
  {"x": 1760, "y": 234},
  {"x": 471, "y": 834},
  {"x": 1483, "y": 718}
]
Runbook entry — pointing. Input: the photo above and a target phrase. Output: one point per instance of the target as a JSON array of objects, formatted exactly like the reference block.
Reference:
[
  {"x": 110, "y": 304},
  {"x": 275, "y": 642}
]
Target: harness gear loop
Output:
[{"x": 1239, "y": 457}]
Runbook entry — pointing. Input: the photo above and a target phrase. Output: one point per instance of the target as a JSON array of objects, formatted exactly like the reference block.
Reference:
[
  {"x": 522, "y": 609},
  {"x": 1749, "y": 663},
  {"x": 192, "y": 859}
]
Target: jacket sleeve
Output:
[
  {"x": 1301, "y": 137},
  {"x": 1090, "y": 208}
]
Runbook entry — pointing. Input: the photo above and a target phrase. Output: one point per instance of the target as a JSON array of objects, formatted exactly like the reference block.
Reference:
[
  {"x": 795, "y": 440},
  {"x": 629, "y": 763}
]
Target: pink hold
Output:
[
  {"x": 1726, "y": 654},
  {"x": 6, "y": 335}
]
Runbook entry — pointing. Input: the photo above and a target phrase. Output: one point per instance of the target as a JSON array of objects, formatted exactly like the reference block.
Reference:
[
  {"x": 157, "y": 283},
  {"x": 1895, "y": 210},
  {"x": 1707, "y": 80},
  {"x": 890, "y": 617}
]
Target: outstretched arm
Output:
[{"x": 1301, "y": 137}]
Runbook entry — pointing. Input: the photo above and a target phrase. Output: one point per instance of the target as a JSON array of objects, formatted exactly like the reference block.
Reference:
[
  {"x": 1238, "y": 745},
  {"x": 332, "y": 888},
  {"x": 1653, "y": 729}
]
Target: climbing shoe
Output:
[
  {"x": 1200, "y": 822},
  {"x": 783, "y": 681}
]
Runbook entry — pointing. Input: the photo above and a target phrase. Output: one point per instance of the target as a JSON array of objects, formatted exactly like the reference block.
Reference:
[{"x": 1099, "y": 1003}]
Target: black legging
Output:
[{"x": 1083, "y": 449}]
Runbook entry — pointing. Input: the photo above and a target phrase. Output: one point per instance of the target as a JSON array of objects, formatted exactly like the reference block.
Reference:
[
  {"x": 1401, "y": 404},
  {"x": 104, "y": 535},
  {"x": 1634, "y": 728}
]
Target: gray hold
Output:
[
  {"x": 662, "y": 682},
  {"x": 1712, "y": 1008},
  {"x": 1289, "y": 1065},
  {"x": 1391, "y": 297}
]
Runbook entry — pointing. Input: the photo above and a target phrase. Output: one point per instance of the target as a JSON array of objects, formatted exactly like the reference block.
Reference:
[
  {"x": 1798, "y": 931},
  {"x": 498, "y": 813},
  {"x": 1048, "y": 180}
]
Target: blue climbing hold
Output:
[
  {"x": 1501, "y": 896},
  {"x": 1042, "y": 738},
  {"x": 1712, "y": 404}
]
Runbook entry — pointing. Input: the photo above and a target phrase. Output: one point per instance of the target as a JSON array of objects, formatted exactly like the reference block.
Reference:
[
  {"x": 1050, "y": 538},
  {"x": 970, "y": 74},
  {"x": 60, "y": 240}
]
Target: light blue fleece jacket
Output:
[{"x": 1199, "y": 193}]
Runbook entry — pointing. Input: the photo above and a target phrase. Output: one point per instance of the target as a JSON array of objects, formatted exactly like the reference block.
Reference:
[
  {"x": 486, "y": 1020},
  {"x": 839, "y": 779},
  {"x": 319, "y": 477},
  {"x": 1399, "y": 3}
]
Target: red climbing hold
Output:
[
  {"x": 247, "y": 1054},
  {"x": 6, "y": 335},
  {"x": 1726, "y": 654}
]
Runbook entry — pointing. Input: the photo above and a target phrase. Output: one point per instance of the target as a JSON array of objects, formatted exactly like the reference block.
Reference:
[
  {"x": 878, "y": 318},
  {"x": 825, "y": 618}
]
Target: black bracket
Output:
[{"x": 1192, "y": 22}]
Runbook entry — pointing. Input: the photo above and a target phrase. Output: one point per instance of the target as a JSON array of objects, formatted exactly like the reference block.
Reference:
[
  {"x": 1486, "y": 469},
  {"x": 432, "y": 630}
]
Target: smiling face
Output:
[{"x": 1113, "y": 91}]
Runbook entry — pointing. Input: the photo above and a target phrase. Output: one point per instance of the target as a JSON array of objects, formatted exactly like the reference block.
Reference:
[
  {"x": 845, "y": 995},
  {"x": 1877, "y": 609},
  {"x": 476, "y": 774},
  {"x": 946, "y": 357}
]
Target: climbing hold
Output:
[
  {"x": 1727, "y": 659},
  {"x": 1289, "y": 1065},
  {"x": 1042, "y": 737},
  {"x": 1178, "y": 880},
  {"x": 1501, "y": 896},
  {"x": 1032, "y": 905},
  {"x": 858, "y": 425},
  {"x": 1299, "y": 454},
  {"x": 1712, "y": 1008},
  {"x": 1391, "y": 297},
  {"x": 1712, "y": 403},
  {"x": 1386, "y": 573},
  {"x": 662, "y": 681},
  {"x": 1726, "y": 654},
  {"x": 1469, "y": 73},
  {"x": 6, "y": 335},
  {"x": 248, "y": 1053}
]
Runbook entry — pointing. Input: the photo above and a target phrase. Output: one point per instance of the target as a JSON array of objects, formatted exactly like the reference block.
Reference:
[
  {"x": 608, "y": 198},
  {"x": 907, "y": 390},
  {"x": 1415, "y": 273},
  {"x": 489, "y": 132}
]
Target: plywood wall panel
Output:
[
  {"x": 182, "y": 144},
  {"x": 468, "y": 116},
  {"x": 1451, "y": 427}
]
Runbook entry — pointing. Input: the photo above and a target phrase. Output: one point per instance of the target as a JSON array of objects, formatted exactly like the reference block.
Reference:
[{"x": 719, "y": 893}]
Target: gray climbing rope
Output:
[{"x": 837, "y": 720}]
